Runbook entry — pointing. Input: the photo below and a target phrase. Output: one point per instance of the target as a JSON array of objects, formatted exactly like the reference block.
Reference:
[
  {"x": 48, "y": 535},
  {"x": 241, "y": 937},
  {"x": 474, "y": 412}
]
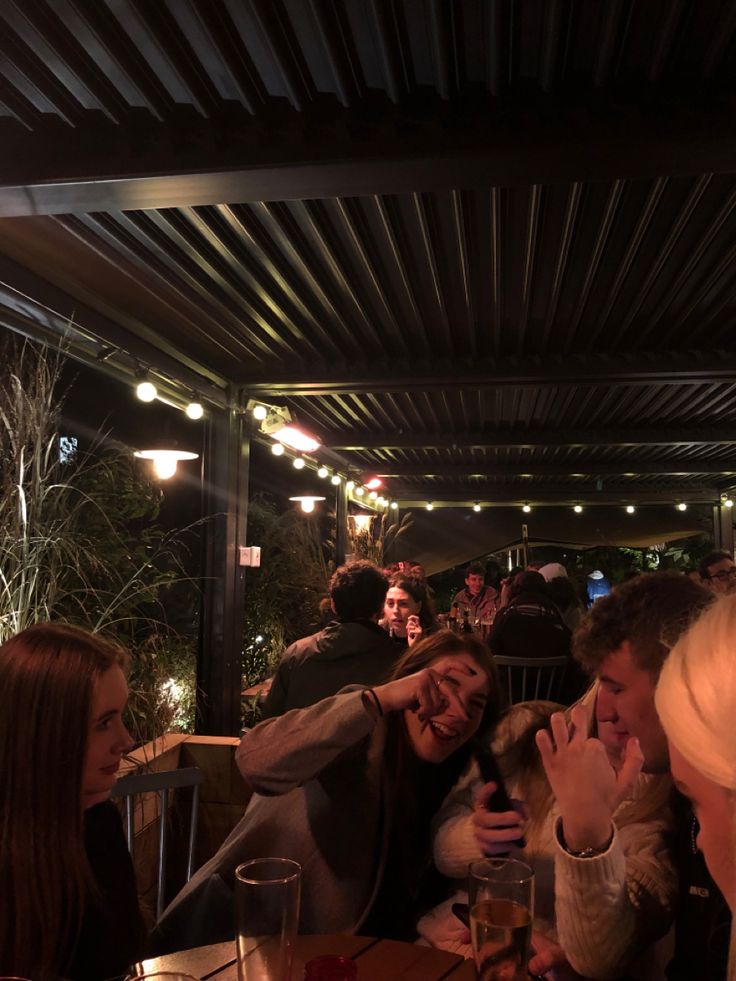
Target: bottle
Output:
[
  {"x": 331, "y": 967},
  {"x": 452, "y": 618},
  {"x": 467, "y": 629}
]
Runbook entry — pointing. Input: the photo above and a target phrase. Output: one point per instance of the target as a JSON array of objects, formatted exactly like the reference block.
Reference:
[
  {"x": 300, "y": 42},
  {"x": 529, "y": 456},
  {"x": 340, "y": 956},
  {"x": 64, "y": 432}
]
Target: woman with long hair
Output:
[
  {"x": 696, "y": 704},
  {"x": 466, "y": 831},
  {"x": 69, "y": 903},
  {"x": 348, "y": 788},
  {"x": 408, "y": 611}
]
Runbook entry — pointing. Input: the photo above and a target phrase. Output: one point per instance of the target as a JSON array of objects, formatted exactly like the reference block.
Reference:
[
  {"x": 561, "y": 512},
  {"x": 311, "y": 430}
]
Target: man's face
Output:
[
  {"x": 474, "y": 582},
  {"x": 626, "y": 701},
  {"x": 721, "y": 576}
]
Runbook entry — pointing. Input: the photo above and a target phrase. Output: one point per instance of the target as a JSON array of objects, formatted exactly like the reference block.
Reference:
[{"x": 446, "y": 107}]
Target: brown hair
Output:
[
  {"x": 650, "y": 612},
  {"x": 48, "y": 674},
  {"x": 446, "y": 643},
  {"x": 416, "y": 587}
]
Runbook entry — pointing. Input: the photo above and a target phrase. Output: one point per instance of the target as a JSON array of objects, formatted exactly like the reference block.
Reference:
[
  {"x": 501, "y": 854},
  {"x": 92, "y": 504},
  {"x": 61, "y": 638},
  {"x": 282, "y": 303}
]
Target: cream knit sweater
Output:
[{"x": 604, "y": 911}]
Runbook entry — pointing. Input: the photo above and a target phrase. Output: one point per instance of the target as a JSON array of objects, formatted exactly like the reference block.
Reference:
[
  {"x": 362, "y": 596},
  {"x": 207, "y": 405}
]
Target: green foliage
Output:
[
  {"x": 282, "y": 596},
  {"x": 78, "y": 542},
  {"x": 372, "y": 540}
]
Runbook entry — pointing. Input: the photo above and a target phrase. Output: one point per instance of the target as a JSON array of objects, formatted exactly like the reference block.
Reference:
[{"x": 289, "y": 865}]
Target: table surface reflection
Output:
[{"x": 377, "y": 960}]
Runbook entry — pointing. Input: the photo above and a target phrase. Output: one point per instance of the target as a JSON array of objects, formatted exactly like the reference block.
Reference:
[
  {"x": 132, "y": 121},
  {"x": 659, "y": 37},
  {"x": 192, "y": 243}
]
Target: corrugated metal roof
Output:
[{"x": 494, "y": 237}]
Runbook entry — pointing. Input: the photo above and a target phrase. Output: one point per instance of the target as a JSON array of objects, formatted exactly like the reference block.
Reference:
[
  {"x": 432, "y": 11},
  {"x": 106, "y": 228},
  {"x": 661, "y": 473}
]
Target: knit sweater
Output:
[{"x": 604, "y": 911}]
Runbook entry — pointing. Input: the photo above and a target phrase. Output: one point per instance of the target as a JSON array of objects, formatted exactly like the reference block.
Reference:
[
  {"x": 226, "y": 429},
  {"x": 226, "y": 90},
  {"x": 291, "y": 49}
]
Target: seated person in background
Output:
[
  {"x": 408, "y": 612},
  {"x": 351, "y": 650},
  {"x": 624, "y": 641},
  {"x": 466, "y": 831},
  {"x": 69, "y": 902},
  {"x": 718, "y": 572},
  {"x": 348, "y": 788},
  {"x": 696, "y": 703},
  {"x": 477, "y": 598},
  {"x": 530, "y": 625}
]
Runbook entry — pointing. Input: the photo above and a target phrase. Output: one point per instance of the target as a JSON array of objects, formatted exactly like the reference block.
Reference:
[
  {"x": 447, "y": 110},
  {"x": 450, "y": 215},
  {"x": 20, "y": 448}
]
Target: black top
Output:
[
  {"x": 112, "y": 936},
  {"x": 353, "y": 653},
  {"x": 702, "y": 919}
]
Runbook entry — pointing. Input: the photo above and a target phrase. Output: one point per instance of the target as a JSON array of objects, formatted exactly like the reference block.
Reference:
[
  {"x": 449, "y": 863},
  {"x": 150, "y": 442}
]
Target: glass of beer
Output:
[{"x": 501, "y": 893}]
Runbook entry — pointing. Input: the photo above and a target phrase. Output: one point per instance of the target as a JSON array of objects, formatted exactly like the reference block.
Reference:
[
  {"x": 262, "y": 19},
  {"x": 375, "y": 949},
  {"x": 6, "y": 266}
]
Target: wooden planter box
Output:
[{"x": 222, "y": 801}]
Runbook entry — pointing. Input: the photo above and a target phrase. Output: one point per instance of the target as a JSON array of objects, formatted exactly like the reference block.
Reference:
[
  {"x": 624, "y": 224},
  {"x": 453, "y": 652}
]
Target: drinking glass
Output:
[
  {"x": 267, "y": 892},
  {"x": 501, "y": 894}
]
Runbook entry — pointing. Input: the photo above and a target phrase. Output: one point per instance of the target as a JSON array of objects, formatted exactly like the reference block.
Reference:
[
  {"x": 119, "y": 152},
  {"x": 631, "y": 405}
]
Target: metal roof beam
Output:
[
  {"x": 565, "y": 468},
  {"x": 204, "y": 164},
  {"x": 408, "y": 496},
  {"x": 647, "y": 368},
  {"x": 523, "y": 439}
]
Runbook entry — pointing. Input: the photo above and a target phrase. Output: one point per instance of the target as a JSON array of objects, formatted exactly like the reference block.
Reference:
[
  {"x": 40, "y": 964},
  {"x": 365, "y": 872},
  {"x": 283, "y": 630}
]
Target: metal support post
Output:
[{"x": 225, "y": 504}]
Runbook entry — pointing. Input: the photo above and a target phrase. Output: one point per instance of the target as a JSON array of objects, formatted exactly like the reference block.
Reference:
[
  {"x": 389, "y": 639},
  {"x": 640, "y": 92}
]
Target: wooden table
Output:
[{"x": 377, "y": 960}]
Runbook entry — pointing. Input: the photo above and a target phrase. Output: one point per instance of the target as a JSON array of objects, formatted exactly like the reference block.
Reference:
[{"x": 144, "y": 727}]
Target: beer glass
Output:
[
  {"x": 501, "y": 895},
  {"x": 267, "y": 892}
]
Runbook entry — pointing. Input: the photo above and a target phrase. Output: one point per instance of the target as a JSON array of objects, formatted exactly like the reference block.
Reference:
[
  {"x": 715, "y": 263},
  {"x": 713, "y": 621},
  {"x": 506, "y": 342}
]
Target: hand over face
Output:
[{"x": 587, "y": 787}]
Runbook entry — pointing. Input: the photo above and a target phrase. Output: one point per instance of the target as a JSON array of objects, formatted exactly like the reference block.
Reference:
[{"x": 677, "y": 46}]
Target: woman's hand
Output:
[
  {"x": 494, "y": 830},
  {"x": 413, "y": 630},
  {"x": 419, "y": 692},
  {"x": 587, "y": 787},
  {"x": 549, "y": 961}
]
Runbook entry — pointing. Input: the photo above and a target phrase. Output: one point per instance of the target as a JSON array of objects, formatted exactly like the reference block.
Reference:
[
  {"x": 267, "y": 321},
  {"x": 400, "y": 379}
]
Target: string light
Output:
[
  {"x": 322, "y": 472},
  {"x": 194, "y": 410},
  {"x": 350, "y": 485},
  {"x": 335, "y": 479},
  {"x": 146, "y": 391},
  {"x": 260, "y": 412},
  {"x": 682, "y": 506},
  {"x": 373, "y": 495},
  {"x": 359, "y": 491},
  {"x": 299, "y": 463},
  {"x": 578, "y": 508},
  {"x": 476, "y": 507},
  {"x": 277, "y": 449},
  {"x": 430, "y": 506},
  {"x": 526, "y": 509},
  {"x": 630, "y": 509},
  {"x": 394, "y": 505}
]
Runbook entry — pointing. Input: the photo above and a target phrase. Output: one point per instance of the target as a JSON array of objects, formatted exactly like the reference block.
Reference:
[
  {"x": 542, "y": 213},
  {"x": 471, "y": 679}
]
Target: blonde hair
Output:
[{"x": 696, "y": 703}]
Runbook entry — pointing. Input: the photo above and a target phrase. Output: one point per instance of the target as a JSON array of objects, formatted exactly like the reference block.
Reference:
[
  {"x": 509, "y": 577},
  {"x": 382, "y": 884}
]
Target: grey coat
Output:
[{"x": 320, "y": 798}]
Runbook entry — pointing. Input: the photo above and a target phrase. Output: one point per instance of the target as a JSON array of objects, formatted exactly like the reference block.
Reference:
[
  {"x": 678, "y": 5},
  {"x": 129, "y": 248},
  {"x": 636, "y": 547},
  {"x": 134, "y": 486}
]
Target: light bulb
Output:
[
  {"x": 430, "y": 506},
  {"x": 335, "y": 479},
  {"x": 728, "y": 502},
  {"x": 194, "y": 410},
  {"x": 260, "y": 412},
  {"x": 394, "y": 506},
  {"x": 350, "y": 485},
  {"x": 682, "y": 506},
  {"x": 630, "y": 509},
  {"x": 359, "y": 491},
  {"x": 146, "y": 391},
  {"x": 526, "y": 509},
  {"x": 578, "y": 508},
  {"x": 277, "y": 449},
  {"x": 373, "y": 495},
  {"x": 322, "y": 472},
  {"x": 307, "y": 504},
  {"x": 164, "y": 467},
  {"x": 476, "y": 506},
  {"x": 298, "y": 463}
]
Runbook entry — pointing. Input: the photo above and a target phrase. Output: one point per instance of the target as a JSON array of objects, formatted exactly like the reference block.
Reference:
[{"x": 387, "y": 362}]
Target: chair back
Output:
[
  {"x": 532, "y": 678},
  {"x": 161, "y": 783}
]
